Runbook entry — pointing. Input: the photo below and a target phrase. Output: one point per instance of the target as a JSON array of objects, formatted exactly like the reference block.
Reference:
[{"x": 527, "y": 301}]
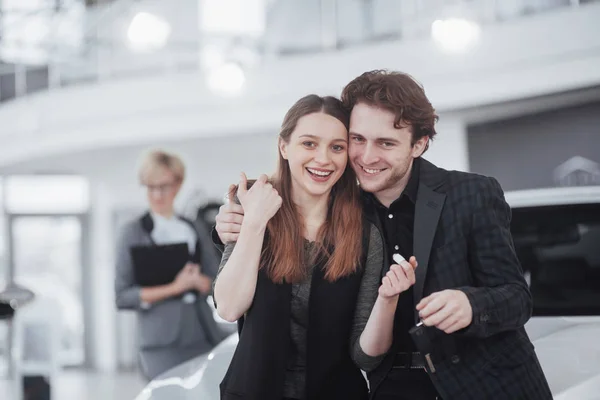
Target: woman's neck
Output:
[
  {"x": 167, "y": 214},
  {"x": 313, "y": 211}
]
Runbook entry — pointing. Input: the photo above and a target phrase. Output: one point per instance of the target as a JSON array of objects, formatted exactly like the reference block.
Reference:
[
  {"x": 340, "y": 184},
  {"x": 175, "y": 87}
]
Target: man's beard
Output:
[{"x": 388, "y": 183}]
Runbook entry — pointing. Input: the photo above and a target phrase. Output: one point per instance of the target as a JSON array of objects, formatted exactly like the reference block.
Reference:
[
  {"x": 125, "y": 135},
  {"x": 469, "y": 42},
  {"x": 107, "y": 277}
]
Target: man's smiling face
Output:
[{"x": 380, "y": 154}]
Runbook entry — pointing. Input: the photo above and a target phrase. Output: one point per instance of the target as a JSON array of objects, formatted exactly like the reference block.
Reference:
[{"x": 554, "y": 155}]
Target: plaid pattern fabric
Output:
[{"x": 472, "y": 251}]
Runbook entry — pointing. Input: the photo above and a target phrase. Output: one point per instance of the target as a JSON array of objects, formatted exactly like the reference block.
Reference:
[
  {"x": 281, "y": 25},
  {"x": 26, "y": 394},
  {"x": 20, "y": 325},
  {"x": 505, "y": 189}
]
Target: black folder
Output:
[{"x": 159, "y": 264}]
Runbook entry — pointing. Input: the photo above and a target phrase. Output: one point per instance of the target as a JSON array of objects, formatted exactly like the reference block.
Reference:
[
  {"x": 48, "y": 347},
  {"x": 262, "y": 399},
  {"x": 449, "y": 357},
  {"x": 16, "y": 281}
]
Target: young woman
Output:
[{"x": 303, "y": 260}]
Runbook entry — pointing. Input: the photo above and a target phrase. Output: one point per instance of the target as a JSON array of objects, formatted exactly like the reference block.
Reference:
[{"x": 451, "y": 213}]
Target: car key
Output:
[
  {"x": 418, "y": 332},
  {"x": 423, "y": 343}
]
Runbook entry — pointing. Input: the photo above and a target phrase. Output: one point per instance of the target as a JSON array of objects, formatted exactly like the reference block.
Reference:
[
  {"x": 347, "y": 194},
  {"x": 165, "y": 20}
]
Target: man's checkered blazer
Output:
[{"x": 462, "y": 241}]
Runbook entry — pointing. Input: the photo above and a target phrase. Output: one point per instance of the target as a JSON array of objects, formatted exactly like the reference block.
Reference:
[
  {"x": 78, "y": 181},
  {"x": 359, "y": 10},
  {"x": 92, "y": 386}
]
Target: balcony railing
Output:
[{"x": 96, "y": 46}]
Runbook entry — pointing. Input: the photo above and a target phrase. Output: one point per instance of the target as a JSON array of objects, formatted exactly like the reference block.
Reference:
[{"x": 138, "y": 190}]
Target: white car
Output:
[{"x": 557, "y": 238}]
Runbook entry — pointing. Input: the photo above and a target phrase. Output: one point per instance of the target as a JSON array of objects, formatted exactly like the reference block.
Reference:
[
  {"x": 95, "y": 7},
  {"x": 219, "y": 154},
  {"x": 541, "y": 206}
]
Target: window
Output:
[
  {"x": 31, "y": 29},
  {"x": 46, "y": 194},
  {"x": 559, "y": 249}
]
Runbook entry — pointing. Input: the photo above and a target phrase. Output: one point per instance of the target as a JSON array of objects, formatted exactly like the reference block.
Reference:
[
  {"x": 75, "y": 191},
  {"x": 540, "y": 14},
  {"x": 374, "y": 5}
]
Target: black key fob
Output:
[{"x": 420, "y": 336}]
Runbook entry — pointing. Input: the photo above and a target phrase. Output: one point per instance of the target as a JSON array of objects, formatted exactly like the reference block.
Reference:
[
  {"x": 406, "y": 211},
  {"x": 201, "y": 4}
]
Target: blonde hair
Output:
[{"x": 156, "y": 159}]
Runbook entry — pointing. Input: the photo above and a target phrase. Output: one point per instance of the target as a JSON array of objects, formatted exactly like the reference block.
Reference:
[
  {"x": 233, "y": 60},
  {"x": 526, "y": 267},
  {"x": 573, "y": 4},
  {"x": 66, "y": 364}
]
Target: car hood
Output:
[
  {"x": 195, "y": 379},
  {"x": 564, "y": 346},
  {"x": 570, "y": 358}
]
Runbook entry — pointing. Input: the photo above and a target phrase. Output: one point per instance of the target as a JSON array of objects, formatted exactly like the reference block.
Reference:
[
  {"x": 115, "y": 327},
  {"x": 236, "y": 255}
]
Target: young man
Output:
[{"x": 469, "y": 292}]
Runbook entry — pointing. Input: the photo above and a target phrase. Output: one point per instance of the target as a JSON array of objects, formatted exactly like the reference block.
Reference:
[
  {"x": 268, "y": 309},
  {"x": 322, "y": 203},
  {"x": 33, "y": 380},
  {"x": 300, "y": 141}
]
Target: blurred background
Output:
[{"x": 87, "y": 85}]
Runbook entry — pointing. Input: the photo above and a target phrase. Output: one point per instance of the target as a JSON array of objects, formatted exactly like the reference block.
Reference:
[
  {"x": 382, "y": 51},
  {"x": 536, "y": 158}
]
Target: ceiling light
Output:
[
  {"x": 455, "y": 34},
  {"x": 147, "y": 32}
]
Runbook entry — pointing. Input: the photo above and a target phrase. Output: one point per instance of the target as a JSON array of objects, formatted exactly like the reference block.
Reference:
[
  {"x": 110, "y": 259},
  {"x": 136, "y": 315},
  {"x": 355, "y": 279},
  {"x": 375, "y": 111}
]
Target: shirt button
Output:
[
  {"x": 396, "y": 247},
  {"x": 391, "y": 216}
]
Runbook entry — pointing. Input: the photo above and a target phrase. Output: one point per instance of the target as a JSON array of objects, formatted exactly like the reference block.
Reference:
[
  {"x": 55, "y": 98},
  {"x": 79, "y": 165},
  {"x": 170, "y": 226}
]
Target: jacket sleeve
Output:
[
  {"x": 216, "y": 239},
  {"x": 209, "y": 258},
  {"x": 367, "y": 296},
  {"x": 127, "y": 292},
  {"x": 500, "y": 298}
]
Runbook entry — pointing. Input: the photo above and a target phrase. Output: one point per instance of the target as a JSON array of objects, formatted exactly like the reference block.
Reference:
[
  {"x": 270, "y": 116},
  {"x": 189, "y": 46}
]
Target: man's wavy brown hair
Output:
[{"x": 398, "y": 93}]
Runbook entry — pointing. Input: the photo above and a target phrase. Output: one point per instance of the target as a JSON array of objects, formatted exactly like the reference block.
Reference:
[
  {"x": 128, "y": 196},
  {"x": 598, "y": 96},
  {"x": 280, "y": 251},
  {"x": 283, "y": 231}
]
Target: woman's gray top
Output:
[{"x": 294, "y": 385}]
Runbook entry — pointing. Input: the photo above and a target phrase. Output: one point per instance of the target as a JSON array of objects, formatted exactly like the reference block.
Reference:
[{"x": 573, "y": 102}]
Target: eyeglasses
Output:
[{"x": 162, "y": 188}]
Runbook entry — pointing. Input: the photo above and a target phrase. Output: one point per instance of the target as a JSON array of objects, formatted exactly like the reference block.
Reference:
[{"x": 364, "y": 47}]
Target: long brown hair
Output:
[
  {"x": 339, "y": 241},
  {"x": 399, "y": 93}
]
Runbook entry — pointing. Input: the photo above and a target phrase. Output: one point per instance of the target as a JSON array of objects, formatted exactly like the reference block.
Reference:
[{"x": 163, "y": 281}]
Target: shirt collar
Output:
[{"x": 160, "y": 220}]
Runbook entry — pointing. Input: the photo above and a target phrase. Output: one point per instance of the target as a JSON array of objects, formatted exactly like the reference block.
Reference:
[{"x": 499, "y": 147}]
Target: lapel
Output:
[{"x": 428, "y": 209}]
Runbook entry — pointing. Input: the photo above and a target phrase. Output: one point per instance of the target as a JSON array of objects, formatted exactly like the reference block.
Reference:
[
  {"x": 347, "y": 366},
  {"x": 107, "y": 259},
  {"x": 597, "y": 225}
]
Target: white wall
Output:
[
  {"x": 449, "y": 149},
  {"x": 532, "y": 56}
]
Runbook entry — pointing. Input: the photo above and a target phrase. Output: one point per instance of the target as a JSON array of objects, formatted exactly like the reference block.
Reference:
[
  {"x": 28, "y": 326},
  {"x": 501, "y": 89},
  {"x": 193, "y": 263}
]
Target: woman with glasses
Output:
[{"x": 175, "y": 321}]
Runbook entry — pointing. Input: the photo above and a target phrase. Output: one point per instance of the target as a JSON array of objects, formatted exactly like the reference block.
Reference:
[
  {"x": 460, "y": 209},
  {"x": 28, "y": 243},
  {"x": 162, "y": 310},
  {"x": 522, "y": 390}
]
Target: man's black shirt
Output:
[{"x": 398, "y": 224}]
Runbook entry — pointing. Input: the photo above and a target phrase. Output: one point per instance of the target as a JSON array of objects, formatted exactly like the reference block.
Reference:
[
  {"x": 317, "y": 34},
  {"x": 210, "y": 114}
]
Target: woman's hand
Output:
[
  {"x": 187, "y": 278},
  {"x": 260, "y": 203},
  {"x": 398, "y": 279}
]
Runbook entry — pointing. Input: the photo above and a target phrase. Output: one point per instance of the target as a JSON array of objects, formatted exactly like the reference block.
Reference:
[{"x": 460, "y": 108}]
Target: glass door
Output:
[{"x": 47, "y": 259}]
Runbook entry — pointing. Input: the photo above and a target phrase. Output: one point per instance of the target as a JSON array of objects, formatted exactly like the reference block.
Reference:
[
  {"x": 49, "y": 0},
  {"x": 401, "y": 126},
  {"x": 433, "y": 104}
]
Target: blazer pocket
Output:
[
  {"x": 513, "y": 355},
  {"x": 160, "y": 325},
  {"x": 228, "y": 394},
  {"x": 193, "y": 332}
]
